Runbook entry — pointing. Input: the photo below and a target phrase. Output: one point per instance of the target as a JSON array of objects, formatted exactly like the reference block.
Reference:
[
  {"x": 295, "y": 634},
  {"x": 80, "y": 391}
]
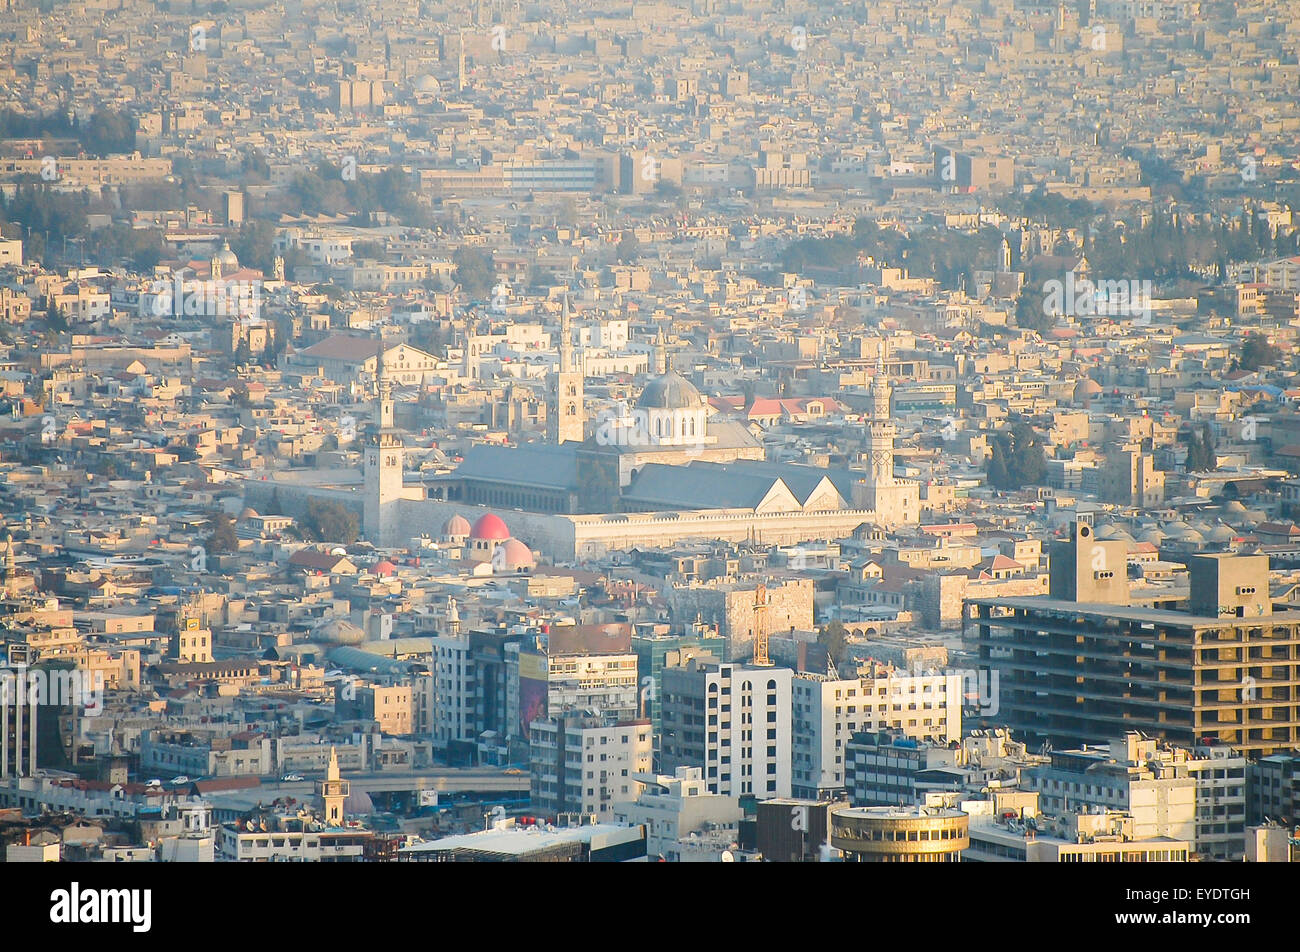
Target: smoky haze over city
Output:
[{"x": 651, "y": 432}]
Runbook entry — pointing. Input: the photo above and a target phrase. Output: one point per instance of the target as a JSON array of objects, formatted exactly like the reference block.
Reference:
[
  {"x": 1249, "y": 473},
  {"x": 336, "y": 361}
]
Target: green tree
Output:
[
  {"x": 1017, "y": 459},
  {"x": 331, "y": 522},
  {"x": 834, "y": 638},
  {"x": 55, "y": 320},
  {"x": 1031, "y": 315},
  {"x": 629, "y": 248},
  {"x": 252, "y": 245},
  {"x": 223, "y": 538},
  {"x": 475, "y": 271},
  {"x": 1257, "y": 352},
  {"x": 1201, "y": 450}
]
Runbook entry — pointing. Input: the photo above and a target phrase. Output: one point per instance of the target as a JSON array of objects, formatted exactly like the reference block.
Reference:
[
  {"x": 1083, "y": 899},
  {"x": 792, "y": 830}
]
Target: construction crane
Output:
[{"x": 761, "y": 658}]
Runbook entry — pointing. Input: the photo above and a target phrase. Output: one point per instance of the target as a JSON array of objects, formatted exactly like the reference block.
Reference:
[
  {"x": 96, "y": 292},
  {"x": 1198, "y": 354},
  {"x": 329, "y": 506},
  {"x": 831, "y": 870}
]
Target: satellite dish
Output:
[
  {"x": 338, "y": 550},
  {"x": 728, "y": 856}
]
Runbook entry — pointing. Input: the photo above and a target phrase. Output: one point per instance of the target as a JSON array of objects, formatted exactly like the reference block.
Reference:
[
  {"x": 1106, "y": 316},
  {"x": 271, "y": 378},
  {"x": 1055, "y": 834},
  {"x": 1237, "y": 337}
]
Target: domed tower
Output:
[
  {"x": 223, "y": 262},
  {"x": 488, "y": 532},
  {"x": 670, "y": 408}
]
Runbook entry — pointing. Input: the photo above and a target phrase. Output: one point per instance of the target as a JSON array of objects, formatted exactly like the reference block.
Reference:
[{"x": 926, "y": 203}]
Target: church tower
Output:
[
  {"x": 567, "y": 424},
  {"x": 333, "y": 791},
  {"x": 383, "y": 464}
]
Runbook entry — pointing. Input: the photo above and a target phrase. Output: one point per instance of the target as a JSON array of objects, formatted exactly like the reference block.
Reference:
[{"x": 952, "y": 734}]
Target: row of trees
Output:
[
  {"x": 327, "y": 190},
  {"x": 324, "y": 522},
  {"x": 106, "y": 132}
]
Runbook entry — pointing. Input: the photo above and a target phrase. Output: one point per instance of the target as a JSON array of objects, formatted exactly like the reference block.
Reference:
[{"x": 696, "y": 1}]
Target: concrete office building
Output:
[
  {"x": 827, "y": 713},
  {"x": 1273, "y": 789},
  {"x": 734, "y": 722},
  {"x": 792, "y": 830},
  {"x": 1083, "y": 664},
  {"x": 580, "y": 668},
  {"x": 886, "y": 768},
  {"x": 673, "y": 807},
  {"x": 1221, "y": 793},
  {"x": 654, "y": 652},
  {"x": 586, "y": 765},
  {"x": 1106, "y": 837},
  {"x": 1132, "y": 775}
]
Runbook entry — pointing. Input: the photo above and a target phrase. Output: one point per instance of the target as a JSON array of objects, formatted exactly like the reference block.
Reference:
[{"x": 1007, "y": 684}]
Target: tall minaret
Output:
[
  {"x": 333, "y": 791},
  {"x": 460, "y": 65},
  {"x": 880, "y": 431},
  {"x": 661, "y": 352},
  {"x": 568, "y": 425},
  {"x": 383, "y": 464},
  {"x": 892, "y": 501}
]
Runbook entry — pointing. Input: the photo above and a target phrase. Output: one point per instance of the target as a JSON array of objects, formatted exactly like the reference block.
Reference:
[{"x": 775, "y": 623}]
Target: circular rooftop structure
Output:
[
  {"x": 456, "y": 527},
  {"x": 514, "y": 556},
  {"x": 229, "y": 262},
  {"x": 670, "y": 391},
  {"x": 490, "y": 527},
  {"x": 337, "y": 631}
]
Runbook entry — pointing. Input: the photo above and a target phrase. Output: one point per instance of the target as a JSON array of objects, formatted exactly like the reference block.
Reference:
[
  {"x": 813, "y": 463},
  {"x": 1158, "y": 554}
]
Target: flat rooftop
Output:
[
  {"x": 521, "y": 840},
  {"x": 1158, "y": 616}
]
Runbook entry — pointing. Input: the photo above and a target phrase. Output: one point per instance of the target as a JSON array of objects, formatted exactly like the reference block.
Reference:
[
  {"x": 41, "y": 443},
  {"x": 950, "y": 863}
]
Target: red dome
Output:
[
  {"x": 489, "y": 527},
  {"x": 385, "y": 568},
  {"x": 515, "y": 555}
]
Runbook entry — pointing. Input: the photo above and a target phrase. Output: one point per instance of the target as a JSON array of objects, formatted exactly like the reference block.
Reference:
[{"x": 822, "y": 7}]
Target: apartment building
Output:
[
  {"x": 587, "y": 765},
  {"x": 1133, "y": 775},
  {"x": 1083, "y": 664},
  {"x": 673, "y": 807},
  {"x": 827, "y": 713},
  {"x": 734, "y": 721}
]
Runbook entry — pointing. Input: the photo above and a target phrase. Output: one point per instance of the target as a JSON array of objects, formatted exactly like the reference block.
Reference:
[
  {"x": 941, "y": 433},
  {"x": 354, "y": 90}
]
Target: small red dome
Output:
[
  {"x": 456, "y": 527},
  {"x": 489, "y": 526},
  {"x": 514, "y": 555}
]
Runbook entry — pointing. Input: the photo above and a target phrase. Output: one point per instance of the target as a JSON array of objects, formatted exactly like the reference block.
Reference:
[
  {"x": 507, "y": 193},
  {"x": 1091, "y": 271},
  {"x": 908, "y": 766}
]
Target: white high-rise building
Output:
[
  {"x": 828, "y": 712},
  {"x": 586, "y": 765},
  {"x": 454, "y": 687},
  {"x": 734, "y": 722}
]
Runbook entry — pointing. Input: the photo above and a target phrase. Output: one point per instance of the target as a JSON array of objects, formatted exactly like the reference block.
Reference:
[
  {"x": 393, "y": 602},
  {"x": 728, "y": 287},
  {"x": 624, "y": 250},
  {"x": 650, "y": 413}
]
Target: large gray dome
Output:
[
  {"x": 337, "y": 631},
  {"x": 229, "y": 263},
  {"x": 670, "y": 391}
]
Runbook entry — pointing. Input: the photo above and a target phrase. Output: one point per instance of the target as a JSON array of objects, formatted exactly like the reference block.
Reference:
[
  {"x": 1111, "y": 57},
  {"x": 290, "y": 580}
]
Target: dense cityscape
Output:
[{"x": 680, "y": 431}]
